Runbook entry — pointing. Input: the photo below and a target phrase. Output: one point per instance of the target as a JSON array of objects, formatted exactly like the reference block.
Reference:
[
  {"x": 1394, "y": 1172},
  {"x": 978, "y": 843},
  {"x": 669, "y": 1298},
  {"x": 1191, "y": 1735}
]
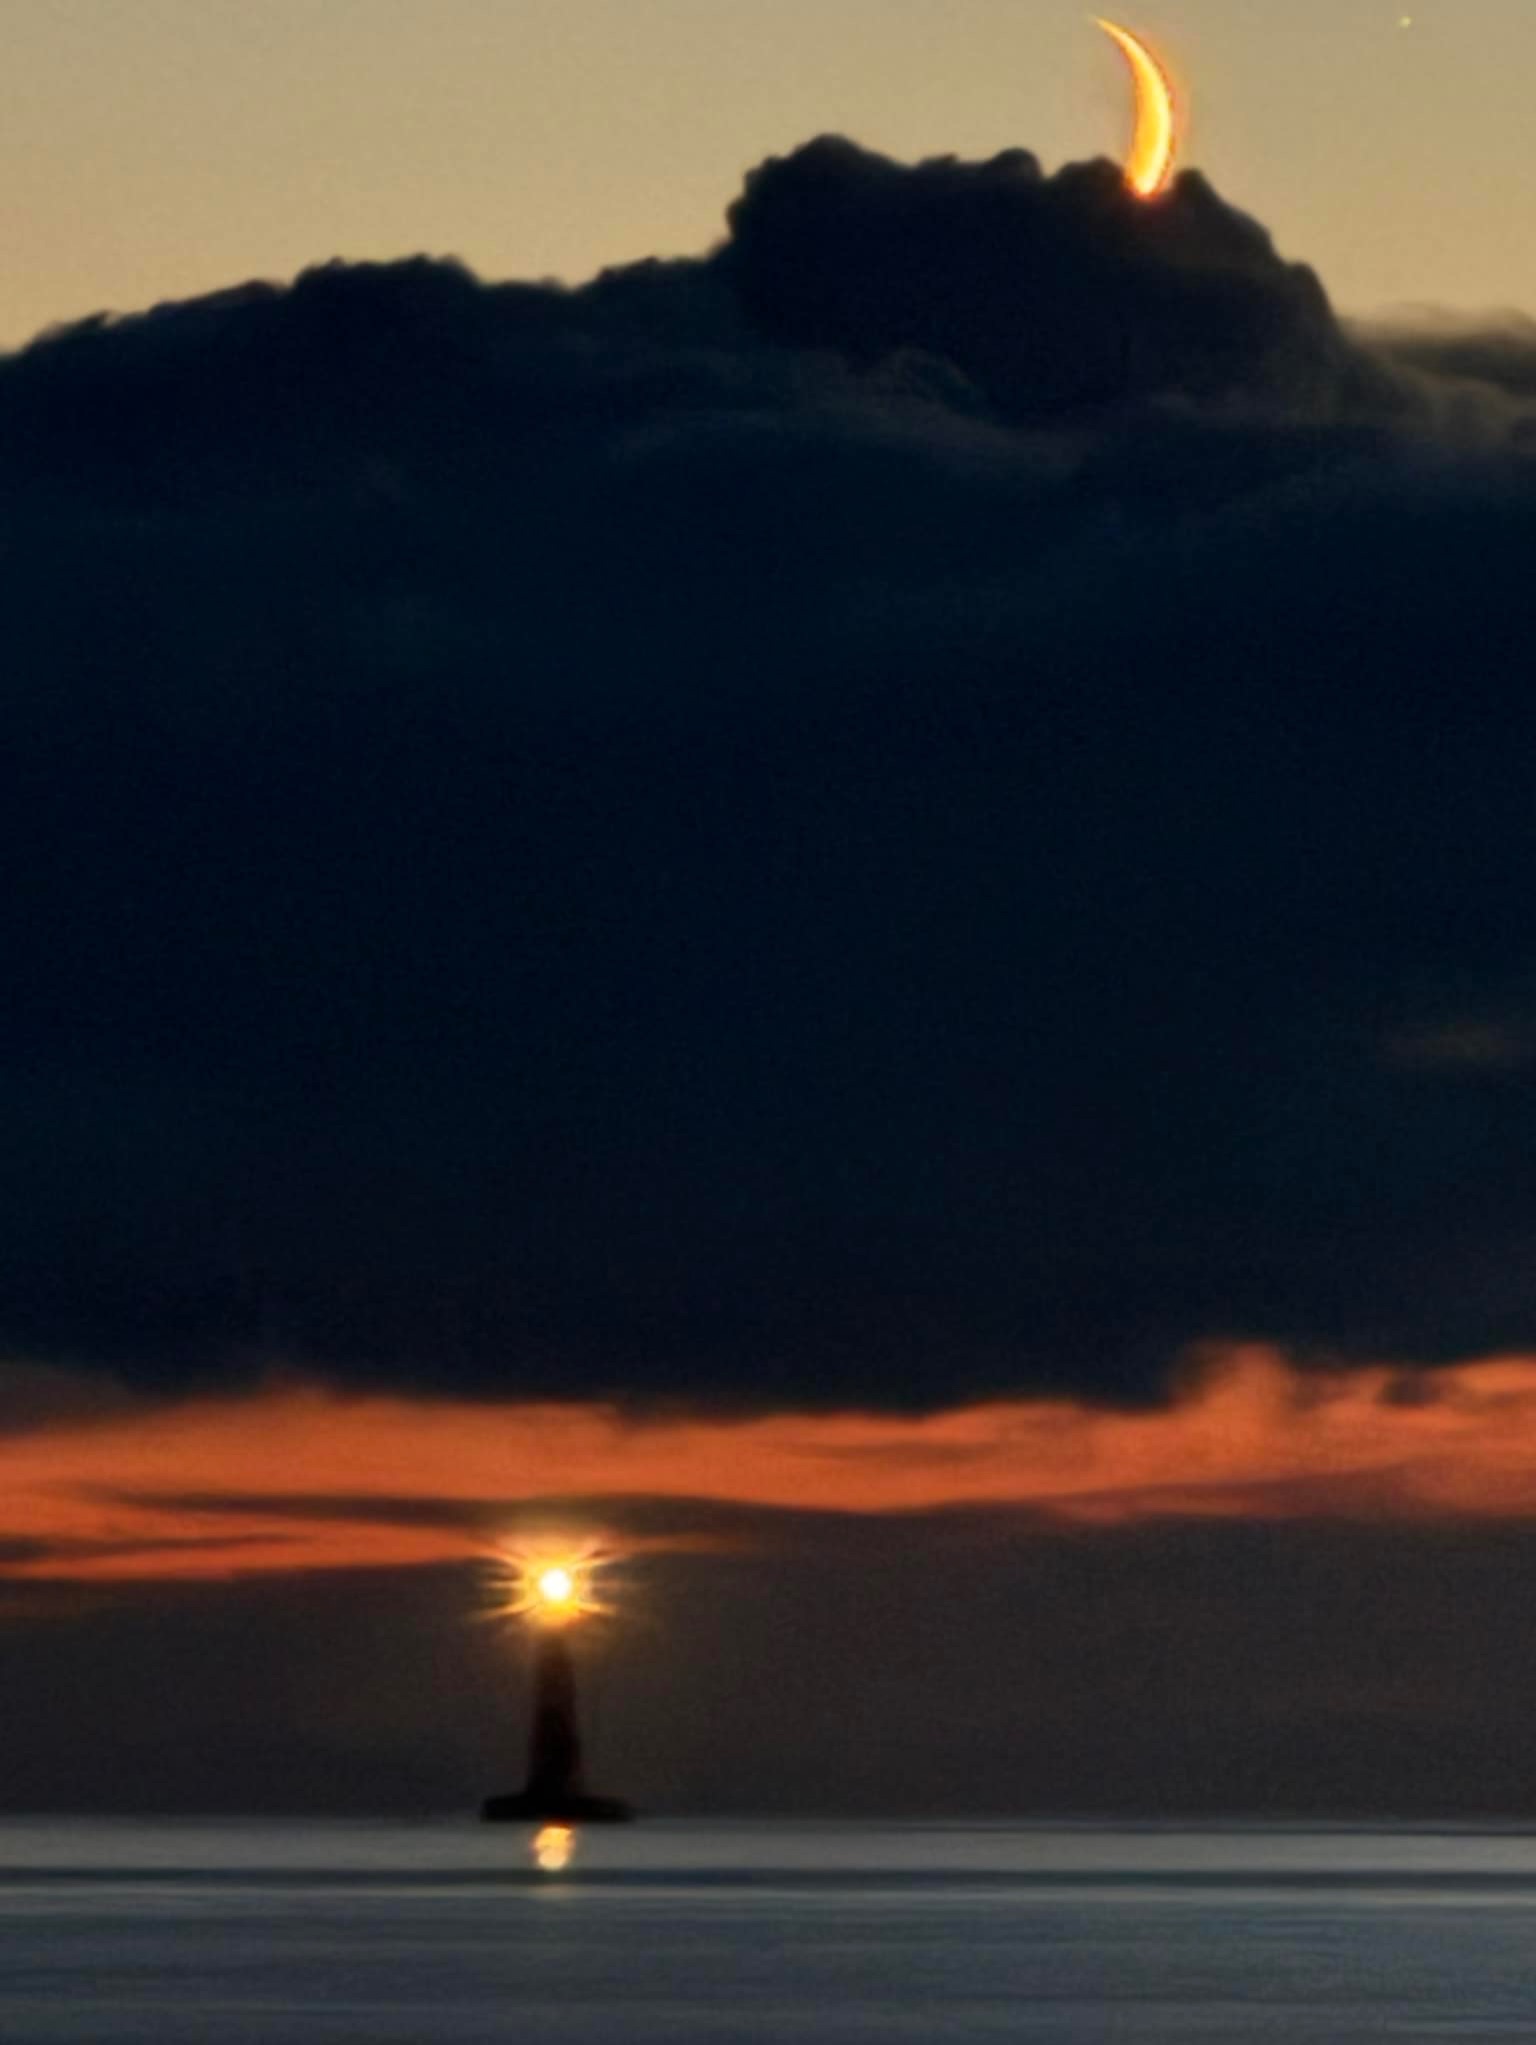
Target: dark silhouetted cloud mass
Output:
[
  {"x": 866, "y": 818},
  {"x": 1053, "y": 296}
]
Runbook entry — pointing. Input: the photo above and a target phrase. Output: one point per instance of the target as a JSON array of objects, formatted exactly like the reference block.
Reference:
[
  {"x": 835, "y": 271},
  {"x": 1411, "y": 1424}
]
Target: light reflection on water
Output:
[
  {"x": 554, "y": 1848},
  {"x": 661, "y": 1852}
]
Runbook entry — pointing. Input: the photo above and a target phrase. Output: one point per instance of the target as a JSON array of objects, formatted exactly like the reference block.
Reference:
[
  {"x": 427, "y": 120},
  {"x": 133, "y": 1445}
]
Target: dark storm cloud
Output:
[
  {"x": 1496, "y": 353},
  {"x": 35, "y": 1396},
  {"x": 1469, "y": 1045},
  {"x": 1053, "y": 295},
  {"x": 855, "y": 819}
]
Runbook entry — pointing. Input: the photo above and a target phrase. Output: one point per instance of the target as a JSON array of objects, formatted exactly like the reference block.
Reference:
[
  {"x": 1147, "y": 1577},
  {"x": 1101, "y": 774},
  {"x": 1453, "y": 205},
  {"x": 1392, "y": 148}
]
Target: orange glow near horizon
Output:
[
  {"x": 292, "y": 1479},
  {"x": 1149, "y": 166}
]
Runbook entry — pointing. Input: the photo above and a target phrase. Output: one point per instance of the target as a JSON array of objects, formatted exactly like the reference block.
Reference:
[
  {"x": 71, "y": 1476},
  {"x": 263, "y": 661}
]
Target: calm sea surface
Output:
[{"x": 678, "y": 1934}]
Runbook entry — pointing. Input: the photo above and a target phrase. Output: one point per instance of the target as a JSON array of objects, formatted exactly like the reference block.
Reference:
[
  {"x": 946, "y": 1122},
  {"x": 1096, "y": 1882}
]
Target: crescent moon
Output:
[{"x": 1149, "y": 166}]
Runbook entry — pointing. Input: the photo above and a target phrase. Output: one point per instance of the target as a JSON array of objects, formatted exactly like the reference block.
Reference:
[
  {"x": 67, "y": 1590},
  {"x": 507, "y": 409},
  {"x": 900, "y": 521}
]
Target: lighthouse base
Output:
[{"x": 528, "y": 1808}]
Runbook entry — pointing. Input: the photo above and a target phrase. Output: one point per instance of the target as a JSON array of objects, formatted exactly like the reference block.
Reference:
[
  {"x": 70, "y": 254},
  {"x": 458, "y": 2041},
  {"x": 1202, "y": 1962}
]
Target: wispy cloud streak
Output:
[{"x": 295, "y": 1479}]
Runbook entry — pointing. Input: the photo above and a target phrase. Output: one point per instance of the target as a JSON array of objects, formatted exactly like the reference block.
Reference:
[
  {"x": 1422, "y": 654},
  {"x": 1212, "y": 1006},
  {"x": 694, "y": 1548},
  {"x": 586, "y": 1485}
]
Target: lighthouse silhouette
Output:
[{"x": 556, "y": 1791}]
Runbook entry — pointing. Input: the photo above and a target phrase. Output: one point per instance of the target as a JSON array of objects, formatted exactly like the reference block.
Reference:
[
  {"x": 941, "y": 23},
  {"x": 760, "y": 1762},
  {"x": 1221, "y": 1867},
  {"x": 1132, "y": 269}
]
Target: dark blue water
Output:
[{"x": 395, "y": 1935}]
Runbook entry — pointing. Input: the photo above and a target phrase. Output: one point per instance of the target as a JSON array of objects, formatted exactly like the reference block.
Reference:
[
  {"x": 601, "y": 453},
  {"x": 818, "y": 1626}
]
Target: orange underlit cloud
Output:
[{"x": 293, "y": 1479}]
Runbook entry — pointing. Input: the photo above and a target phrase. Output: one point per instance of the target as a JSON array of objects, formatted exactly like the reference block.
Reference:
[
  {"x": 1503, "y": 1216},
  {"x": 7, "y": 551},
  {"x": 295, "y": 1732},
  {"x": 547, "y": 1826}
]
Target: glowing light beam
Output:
[
  {"x": 549, "y": 1589},
  {"x": 1149, "y": 166}
]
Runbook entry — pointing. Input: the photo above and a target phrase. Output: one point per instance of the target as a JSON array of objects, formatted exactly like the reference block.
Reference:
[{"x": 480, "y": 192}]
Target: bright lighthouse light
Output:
[
  {"x": 557, "y": 1589},
  {"x": 550, "y": 1587}
]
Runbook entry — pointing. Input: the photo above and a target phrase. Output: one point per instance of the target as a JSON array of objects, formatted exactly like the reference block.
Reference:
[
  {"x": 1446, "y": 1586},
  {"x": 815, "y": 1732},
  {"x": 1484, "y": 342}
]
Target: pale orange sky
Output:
[
  {"x": 157, "y": 1493},
  {"x": 155, "y": 148}
]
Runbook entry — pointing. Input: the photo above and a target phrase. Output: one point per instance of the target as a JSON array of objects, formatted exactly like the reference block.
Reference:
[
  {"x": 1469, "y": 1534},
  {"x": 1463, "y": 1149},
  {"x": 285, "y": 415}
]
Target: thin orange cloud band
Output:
[{"x": 292, "y": 1479}]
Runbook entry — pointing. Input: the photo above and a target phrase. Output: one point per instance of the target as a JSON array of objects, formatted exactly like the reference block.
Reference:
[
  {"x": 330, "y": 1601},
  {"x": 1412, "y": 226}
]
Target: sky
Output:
[
  {"x": 851, "y": 910},
  {"x": 164, "y": 147}
]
